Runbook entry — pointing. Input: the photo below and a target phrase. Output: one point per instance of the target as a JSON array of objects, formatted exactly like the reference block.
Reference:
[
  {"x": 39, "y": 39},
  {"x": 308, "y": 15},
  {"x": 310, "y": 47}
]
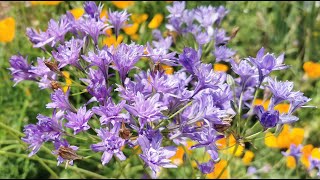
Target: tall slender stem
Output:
[
  {"x": 88, "y": 173},
  {"x": 229, "y": 160}
]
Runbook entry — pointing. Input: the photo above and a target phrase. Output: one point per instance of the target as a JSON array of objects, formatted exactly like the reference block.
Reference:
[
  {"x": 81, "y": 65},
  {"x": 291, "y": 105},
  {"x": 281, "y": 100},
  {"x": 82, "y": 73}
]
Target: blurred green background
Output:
[{"x": 289, "y": 27}]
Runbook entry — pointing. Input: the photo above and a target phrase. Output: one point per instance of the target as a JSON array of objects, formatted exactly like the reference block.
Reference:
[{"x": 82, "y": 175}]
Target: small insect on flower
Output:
[
  {"x": 53, "y": 66},
  {"x": 234, "y": 32},
  {"x": 124, "y": 132},
  {"x": 68, "y": 153},
  {"x": 226, "y": 123},
  {"x": 55, "y": 85}
]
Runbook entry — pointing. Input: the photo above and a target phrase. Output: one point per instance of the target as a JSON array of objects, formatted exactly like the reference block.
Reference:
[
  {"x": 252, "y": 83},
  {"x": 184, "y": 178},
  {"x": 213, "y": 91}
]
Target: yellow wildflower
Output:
[
  {"x": 167, "y": 69},
  {"x": 315, "y": 153},
  {"x": 50, "y": 3},
  {"x": 228, "y": 145},
  {"x": 68, "y": 81},
  {"x": 296, "y": 136},
  {"x": 220, "y": 67},
  {"x": 139, "y": 18},
  {"x": 282, "y": 108},
  {"x": 104, "y": 13},
  {"x": 291, "y": 162},
  {"x": 265, "y": 104},
  {"x": 312, "y": 69},
  {"x": 77, "y": 12},
  {"x": 7, "y": 29},
  {"x": 135, "y": 37},
  {"x": 156, "y": 21},
  {"x": 177, "y": 159},
  {"x": 270, "y": 140},
  {"x": 122, "y": 4},
  {"x": 247, "y": 158},
  {"x": 109, "y": 32},
  {"x": 217, "y": 170},
  {"x": 112, "y": 40},
  {"x": 283, "y": 140},
  {"x": 130, "y": 30},
  {"x": 306, "y": 153}
]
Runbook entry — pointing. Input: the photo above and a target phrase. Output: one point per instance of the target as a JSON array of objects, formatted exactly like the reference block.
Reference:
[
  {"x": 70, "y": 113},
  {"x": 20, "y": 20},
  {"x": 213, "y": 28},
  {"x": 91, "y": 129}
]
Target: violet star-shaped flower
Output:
[
  {"x": 207, "y": 167},
  {"x": 69, "y": 53},
  {"x": 222, "y": 53},
  {"x": 266, "y": 63},
  {"x": 118, "y": 19},
  {"x": 110, "y": 112},
  {"x": 97, "y": 85},
  {"x": 207, "y": 138},
  {"x": 146, "y": 109},
  {"x": 281, "y": 91},
  {"x": 111, "y": 144},
  {"x": 125, "y": 57},
  {"x": 20, "y": 69},
  {"x": 78, "y": 121},
  {"x": 154, "y": 155},
  {"x": 61, "y": 101},
  {"x": 268, "y": 119},
  {"x": 33, "y": 138}
]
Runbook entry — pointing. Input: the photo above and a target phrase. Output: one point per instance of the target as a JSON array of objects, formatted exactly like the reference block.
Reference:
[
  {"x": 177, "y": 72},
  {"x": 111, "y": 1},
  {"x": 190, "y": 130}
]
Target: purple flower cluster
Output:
[
  {"x": 203, "y": 23},
  {"x": 134, "y": 107}
]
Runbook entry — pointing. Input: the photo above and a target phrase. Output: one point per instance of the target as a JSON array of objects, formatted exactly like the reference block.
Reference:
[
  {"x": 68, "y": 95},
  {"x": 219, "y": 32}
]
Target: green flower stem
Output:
[
  {"x": 94, "y": 138},
  {"x": 88, "y": 173},
  {"x": 253, "y": 135},
  {"x": 180, "y": 110},
  {"x": 53, "y": 174},
  {"x": 252, "y": 127},
  {"x": 239, "y": 113},
  {"x": 8, "y": 128},
  {"x": 170, "y": 117},
  {"x": 229, "y": 160},
  {"x": 250, "y": 111},
  {"x": 189, "y": 161},
  {"x": 78, "y": 93}
]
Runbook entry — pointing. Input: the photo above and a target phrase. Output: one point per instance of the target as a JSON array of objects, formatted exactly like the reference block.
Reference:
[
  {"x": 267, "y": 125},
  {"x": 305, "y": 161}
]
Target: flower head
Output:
[
  {"x": 281, "y": 91},
  {"x": 60, "y": 100},
  {"x": 268, "y": 119},
  {"x": 118, "y": 19},
  {"x": 7, "y": 29},
  {"x": 154, "y": 155},
  {"x": 101, "y": 59},
  {"x": 92, "y": 27},
  {"x": 58, "y": 30},
  {"x": 207, "y": 167},
  {"x": 125, "y": 57},
  {"x": 147, "y": 109},
  {"x": 267, "y": 63},
  {"x": 189, "y": 59},
  {"x": 69, "y": 53},
  {"x": 20, "y": 69},
  {"x": 160, "y": 55},
  {"x": 177, "y": 8},
  {"x": 110, "y": 112},
  {"x": 33, "y": 138},
  {"x": 97, "y": 85},
  {"x": 78, "y": 121},
  {"x": 222, "y": 53},
  {"x": 92, "y": 9},
  {"x": 111, "y": 144}
]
